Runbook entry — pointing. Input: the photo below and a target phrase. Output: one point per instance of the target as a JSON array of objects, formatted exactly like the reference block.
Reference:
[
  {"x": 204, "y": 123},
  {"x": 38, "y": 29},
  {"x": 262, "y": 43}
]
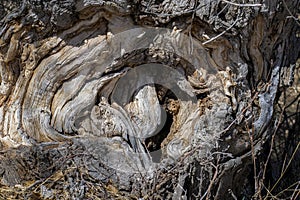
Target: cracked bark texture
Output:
[{"x": 62, "y": 134}]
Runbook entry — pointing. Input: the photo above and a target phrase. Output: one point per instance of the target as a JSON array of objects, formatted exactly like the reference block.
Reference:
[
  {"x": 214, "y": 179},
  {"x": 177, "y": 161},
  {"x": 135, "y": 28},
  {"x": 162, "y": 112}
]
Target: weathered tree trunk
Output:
[{"x": 140, "y": 99}]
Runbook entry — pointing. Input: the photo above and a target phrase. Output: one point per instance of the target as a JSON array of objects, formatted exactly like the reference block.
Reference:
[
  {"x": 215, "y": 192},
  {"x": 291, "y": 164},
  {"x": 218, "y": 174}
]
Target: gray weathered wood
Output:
[{"x": 63, "y": 104}]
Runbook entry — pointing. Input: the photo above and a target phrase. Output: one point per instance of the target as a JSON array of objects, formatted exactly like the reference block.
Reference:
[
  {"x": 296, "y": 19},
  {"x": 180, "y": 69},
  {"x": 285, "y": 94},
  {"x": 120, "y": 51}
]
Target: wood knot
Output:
[{"x": 198, "y": 83}]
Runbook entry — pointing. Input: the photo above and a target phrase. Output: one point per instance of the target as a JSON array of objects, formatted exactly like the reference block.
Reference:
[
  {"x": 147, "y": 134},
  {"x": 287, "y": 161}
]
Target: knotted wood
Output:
[{"x": 146, "y": 99}]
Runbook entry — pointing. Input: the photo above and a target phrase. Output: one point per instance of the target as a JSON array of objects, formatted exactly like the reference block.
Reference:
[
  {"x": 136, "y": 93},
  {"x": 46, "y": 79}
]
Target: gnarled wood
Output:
[{"x": 99, "y": 92}]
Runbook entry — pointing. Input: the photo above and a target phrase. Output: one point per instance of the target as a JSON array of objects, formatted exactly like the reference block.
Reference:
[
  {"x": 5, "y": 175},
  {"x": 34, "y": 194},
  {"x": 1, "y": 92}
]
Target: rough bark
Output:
[{"x": 138, "y": 99}]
